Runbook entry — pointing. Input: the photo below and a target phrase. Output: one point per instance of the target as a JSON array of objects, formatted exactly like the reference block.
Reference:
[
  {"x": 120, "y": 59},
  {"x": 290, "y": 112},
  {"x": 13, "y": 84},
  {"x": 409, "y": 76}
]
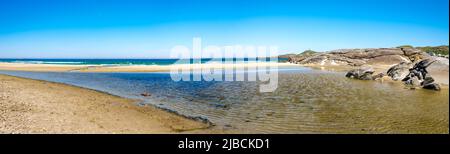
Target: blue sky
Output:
[{"x": 150, "y": 28}]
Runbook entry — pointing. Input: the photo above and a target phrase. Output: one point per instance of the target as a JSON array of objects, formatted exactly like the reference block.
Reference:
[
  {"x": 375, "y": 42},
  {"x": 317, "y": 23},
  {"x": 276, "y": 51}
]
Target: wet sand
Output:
[{"x": 32, "y": 106}]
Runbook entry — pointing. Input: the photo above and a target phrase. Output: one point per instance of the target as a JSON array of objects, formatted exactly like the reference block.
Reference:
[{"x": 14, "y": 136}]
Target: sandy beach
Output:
[{"x": 32, "y": 106}]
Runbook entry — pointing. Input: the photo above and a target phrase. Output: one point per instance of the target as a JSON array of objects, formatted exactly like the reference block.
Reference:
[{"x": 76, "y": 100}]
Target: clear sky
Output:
[{"x": 150, "y": 28}]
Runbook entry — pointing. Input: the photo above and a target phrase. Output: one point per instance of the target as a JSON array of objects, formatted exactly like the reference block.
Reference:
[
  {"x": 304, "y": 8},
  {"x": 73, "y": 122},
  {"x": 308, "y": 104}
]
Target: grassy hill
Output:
[{"x": 440, "y": 50}]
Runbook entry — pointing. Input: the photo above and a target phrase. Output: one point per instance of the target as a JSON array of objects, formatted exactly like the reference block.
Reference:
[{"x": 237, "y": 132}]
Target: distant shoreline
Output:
[{"x": 128, "y": 68}]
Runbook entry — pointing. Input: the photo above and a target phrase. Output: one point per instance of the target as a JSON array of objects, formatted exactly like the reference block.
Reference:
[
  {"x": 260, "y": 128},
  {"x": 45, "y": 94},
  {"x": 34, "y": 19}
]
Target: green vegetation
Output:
[
  {"x": 442, "y": 50},
  {"x": 308, "y": 52},
  {"x": 405, "y": 46}
]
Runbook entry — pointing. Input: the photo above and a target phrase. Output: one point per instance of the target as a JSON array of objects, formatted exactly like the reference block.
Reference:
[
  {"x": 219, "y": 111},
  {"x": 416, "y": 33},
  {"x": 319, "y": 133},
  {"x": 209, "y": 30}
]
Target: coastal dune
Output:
[{"x": 32, "y": 106}]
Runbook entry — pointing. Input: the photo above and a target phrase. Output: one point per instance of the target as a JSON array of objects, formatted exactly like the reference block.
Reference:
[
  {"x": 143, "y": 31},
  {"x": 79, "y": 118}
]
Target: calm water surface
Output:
[{"x": 306, "y": 101}]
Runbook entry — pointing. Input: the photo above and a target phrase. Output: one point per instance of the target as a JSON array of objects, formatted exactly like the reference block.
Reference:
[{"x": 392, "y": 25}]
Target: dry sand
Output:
[{"x": 32, "y": 106}]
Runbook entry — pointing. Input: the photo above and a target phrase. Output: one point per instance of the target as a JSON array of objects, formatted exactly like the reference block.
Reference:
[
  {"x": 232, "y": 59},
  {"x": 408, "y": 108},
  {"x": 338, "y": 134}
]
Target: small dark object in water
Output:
[
  {"x": 228, "y": 126},
  {"x": 146, "y": 94}
]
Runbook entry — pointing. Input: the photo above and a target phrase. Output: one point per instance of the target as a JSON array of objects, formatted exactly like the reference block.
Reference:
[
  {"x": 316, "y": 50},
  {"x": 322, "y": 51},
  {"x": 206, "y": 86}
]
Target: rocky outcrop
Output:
[
  {"x": 330, "y": 59},
  {"x": 413, "y": 66},
  {"x": 359, "y": 57},
  {"x": 414, "y": 76}
]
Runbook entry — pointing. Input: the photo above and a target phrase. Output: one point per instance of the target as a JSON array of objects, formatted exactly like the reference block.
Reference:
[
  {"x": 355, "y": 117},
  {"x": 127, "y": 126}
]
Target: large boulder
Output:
[
  {"x": 363, "y": 74},
  {"x": 440, "y": 70},
  {"x": 399, "y": 71},
  {"x": 432, "y": 86}
]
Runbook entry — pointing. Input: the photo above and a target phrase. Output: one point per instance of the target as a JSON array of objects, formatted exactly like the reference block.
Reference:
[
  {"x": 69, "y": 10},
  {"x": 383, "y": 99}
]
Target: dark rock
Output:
[
  {"x": 432, "y": 86},
  {"x": 366, "y": 76},
  {"x": 427, "y": 80},
  {"x": 419, "y": 70},
  {"x": 419, "y": 76},
  {"x": 413, "y": 82},
  {"x": 424, "y": 63},
  {"x": 361, "y": 74},
  {"x": 399, "y": 71},
  {"x": 378, "y": 76},
  {"x": 146, "y": 94}
]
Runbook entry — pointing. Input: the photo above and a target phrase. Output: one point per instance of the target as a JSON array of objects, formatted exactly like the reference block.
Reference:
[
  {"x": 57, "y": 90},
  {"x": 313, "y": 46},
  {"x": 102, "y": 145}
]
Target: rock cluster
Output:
[
  {"x": 418, "y": 76},
  {"x": 363, "y": 74},
  {"x": 413, "y": 77},
  {"x": 410, "y": 64}
]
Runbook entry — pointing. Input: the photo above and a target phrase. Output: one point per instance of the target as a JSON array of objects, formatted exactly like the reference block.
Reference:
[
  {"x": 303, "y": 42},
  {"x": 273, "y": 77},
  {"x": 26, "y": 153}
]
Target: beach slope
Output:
[{"x": 32, "y": 106}]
